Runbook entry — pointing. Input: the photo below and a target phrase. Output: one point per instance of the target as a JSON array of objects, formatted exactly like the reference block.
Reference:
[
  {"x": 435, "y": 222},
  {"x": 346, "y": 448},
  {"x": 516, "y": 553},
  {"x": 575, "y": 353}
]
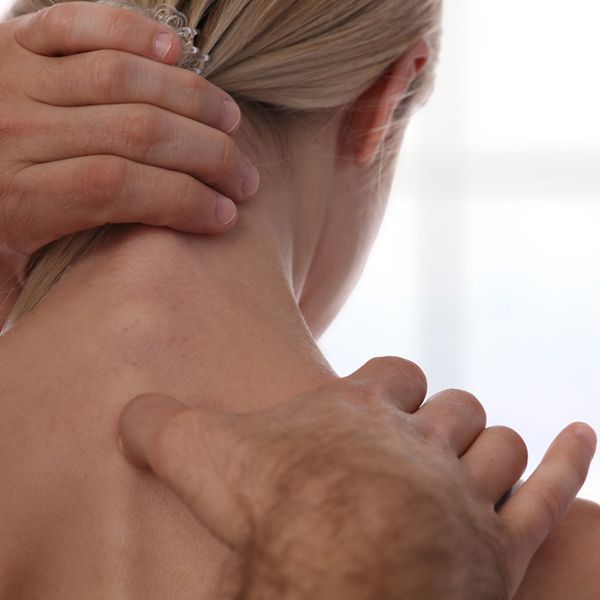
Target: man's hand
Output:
[
  {"x": 96, "y": 128},
  {"x": 352, "y": 491}
]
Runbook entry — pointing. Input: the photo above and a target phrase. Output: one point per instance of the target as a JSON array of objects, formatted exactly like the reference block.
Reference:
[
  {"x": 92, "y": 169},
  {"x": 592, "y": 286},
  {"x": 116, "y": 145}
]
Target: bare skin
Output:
[
  {"x": 354, "y": 492},
  {"x": 567, "y": 566},
  {"x": 81, "y": 89},
  {"x": 157, "y": 311},
  {"x": 123, "y": 530}
]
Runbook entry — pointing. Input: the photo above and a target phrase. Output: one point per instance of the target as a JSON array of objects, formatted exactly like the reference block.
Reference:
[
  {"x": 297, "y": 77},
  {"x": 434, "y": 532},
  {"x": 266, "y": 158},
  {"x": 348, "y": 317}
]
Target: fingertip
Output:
[
  {"x": 251, "y": 181},
  {"x": 139, "y": 423},
  {"x": 166, "y": 46},
  {"x": 231, "y": 118},
  {"x": 585, "y": 433},
  {"x": 127, "y": 453},
  {"x": 174, "y": 54},
  {"x": 225, "y": 212}
]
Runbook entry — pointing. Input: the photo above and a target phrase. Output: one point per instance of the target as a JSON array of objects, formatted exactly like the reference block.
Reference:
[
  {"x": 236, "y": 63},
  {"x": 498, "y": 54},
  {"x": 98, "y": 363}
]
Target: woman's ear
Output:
[{"x": 371, "y": 114}]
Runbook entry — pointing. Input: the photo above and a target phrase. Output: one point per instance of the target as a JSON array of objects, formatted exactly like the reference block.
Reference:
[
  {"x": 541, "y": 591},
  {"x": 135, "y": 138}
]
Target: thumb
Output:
[{"x": 189, "y": 450}]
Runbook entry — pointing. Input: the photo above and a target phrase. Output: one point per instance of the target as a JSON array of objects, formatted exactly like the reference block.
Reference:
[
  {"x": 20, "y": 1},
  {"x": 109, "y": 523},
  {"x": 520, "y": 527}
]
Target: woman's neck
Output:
[
  {"x": 208, "y": 320},
  {"x": 218, "y": 318}
]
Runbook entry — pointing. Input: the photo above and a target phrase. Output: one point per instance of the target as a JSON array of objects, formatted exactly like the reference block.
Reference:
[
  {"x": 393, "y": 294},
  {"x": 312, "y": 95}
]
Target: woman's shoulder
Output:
[
  {"x": 76, "y": 520},
  {"x": 567, "y": 565}
]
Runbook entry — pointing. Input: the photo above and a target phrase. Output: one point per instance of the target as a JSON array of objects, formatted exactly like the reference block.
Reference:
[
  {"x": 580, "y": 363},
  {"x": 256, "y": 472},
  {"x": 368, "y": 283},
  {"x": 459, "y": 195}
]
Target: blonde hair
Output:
[{"x": 285, "y": 57}]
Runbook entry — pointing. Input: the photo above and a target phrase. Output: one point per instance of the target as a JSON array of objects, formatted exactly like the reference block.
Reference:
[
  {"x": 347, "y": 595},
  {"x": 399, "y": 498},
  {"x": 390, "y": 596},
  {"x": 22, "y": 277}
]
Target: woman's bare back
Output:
[{"x": 76, "y": 520}]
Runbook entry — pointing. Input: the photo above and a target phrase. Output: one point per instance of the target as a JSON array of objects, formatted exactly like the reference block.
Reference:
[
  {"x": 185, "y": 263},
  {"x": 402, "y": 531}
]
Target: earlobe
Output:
[{"x": 372, "y": 113}]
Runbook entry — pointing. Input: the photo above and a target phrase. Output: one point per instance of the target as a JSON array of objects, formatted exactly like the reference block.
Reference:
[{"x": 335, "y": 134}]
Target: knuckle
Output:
[
  {"x": 467, "y": 402},
  {"x": 195, "y": 91},
  {"x": 409, "y": 372},
  {"x": 139, "y": 128},
  {"x": 103, "y": 180},
  {"x": 389, "y": 363},
  {"x": 416, "y": 377},
  {"x": 510, "y": 438},
  {"x": 56, "y": 19},
  {"x": 14, "y": 125},
  {"x": 108, "y": 71},
  {"x": 550, "y": 504}
]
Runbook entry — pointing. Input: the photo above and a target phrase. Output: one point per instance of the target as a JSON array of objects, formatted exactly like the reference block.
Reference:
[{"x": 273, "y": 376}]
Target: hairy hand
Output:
[
  {"x": 352, "y": 491},
  {"x": 97, "y": 126}
]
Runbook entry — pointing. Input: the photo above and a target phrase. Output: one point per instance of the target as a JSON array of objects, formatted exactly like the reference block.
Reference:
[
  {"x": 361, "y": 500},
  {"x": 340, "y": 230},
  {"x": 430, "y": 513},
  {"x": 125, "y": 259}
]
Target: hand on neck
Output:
[
  {"x": 203, "y": 318},
  {"x": 224, "y": 317}
]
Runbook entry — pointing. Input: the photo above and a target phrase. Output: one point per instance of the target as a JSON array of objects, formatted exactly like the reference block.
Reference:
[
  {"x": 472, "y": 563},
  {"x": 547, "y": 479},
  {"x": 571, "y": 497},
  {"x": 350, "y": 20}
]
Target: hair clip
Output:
[{"x": 192, "y": 58}]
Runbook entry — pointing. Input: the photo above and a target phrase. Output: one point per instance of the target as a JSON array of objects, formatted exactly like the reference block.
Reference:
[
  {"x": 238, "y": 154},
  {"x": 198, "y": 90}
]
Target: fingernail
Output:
[
  {"x": 231, "y": 116},
  {"x": 251, "y": 180},
  {"x": 162, "y": 44},
  {"x": 225, "y": 210}
]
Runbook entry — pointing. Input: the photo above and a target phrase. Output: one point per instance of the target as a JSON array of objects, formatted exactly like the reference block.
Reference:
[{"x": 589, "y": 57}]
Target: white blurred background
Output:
[{"x": 487, "y": 270}]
